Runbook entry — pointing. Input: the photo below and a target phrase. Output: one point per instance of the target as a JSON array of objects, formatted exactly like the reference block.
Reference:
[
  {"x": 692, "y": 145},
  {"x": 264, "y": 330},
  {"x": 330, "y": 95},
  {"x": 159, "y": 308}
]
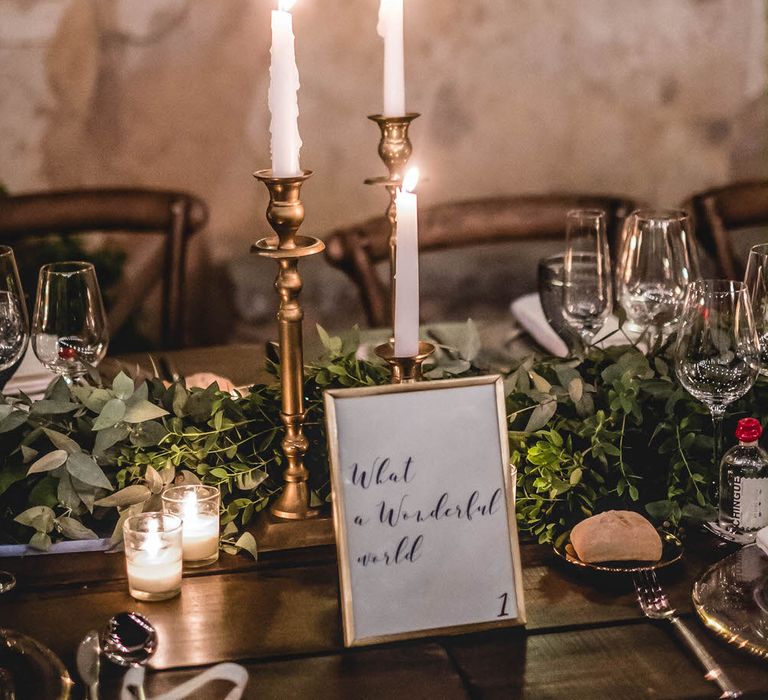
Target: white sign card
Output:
[{"x": 423, "y": 509}]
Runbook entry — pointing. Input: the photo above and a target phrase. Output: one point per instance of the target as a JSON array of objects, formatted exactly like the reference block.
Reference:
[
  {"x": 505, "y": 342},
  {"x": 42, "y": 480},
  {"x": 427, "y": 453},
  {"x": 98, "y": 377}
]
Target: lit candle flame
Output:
[
  {"x": 285, "y": 5},
  {"x": 410, "y": 180},
  {"x": 189, "y": 507}
]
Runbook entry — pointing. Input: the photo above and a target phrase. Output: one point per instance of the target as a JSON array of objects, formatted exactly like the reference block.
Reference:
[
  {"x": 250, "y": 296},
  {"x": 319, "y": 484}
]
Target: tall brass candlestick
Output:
[
  {"x": 285, "y": 214},
  {"x": 394, "y": 149}
]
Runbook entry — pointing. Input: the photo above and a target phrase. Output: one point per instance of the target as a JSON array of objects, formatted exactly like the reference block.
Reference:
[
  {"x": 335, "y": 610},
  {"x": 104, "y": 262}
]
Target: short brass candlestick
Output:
[
  {"x": 405, "y": 370},
  {"x": 285, "y": 214},
  {"x": 394, "y": 149}
]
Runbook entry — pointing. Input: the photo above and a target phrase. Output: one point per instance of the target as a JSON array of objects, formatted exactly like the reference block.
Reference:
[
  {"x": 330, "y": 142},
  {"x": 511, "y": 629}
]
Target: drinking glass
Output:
[
  {"x": 69, "y": 327},
  {"x": 657, "y": 261},
  {"x": 14, "y": 336},
  {"x": 550, "y": 280},
  {"x": 756, "y": 279},
  {"x": 717, "y": 354},
  {"x": 587, "y": 287}
]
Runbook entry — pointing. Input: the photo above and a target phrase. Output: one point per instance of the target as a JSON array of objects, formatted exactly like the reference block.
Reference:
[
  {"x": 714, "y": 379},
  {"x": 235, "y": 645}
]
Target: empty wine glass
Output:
[
  {"x": 69, "y": 327},
  {"x": 550, "y": 281},
  {"x": 717, "y": 356},
  {"x": 756, "y": 279},
  {"x": 14, "y": 336},
  {"x": 14, "y": 321},
  {"x": 657, "y": 261},
  {"x": 587, "y": 287}
]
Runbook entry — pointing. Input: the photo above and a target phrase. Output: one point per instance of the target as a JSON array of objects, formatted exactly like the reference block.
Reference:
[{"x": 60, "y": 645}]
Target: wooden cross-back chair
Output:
[
  {"x": 719, "y": 212},
  {"x": 355, "y": 250},
  {"x": 176, "y": 216}
]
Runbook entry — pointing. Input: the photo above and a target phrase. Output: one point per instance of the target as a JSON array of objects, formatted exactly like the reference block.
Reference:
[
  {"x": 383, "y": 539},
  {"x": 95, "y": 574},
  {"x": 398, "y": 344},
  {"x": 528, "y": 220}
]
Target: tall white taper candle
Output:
[
  {"x": 283, "y": 98},
  {"x": 390, "y": 28},
  {"x": 407, "y": 269}
]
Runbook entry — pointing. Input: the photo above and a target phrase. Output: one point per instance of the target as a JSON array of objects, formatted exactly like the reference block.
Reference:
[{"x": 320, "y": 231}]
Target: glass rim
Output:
[
  {"x": 170, "y": 494},
  {"x": 174, "y": 521},
  {"x": 586, "y": 213},
  {"x": 759, "y": 249},
  {"x": 6, "y": 250},
  {"x": 67, "y": 267},
  {"x": 651, "y": 214}
]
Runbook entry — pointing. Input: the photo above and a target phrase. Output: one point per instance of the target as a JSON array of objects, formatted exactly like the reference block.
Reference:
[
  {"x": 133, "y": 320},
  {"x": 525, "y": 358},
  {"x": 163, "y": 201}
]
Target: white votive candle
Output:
[
  {"x": 407, "y": 269},
  {"x": 198, "y": 507},
  {"x": 155, "y": 574},
  {"x": 153, "y": 555}
]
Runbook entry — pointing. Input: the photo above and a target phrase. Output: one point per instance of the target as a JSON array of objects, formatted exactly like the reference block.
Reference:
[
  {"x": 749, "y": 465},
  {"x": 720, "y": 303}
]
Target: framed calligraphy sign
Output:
[{"x": 423, "y": 509}]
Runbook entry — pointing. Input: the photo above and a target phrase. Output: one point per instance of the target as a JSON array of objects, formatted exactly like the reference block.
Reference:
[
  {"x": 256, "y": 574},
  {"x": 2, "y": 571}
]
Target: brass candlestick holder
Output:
[
  {"x": 394, "y": 149},
  {"x": 405, "y": 370},
  {"x": 285, "y": 214}
]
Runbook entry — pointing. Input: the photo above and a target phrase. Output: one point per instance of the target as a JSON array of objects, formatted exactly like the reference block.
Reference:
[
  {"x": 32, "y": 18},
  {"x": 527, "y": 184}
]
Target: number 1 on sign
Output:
[{"x": 503, "y": 598}]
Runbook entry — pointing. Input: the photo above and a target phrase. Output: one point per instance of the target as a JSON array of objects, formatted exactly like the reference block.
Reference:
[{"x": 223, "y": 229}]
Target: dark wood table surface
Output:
[{"x": 280, "y": 618}]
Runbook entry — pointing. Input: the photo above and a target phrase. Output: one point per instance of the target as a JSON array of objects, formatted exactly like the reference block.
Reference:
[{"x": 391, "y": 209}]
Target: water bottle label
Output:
[{"x": 750, "y": 503}]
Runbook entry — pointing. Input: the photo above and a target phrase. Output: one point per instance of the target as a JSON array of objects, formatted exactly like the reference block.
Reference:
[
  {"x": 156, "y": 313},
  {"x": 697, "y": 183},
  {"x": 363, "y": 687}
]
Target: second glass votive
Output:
[
  {"x": 153, "y": 555},
  {"x": 198, "y": 508}
]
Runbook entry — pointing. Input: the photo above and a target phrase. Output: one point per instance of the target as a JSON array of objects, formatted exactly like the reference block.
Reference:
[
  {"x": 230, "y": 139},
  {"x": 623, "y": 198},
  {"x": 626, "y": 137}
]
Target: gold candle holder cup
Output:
[{"x": 405, "y": 370}]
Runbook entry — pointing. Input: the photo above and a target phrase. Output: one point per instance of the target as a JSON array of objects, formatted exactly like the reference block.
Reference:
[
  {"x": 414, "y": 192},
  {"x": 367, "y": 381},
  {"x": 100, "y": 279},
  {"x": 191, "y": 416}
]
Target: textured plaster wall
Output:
[{"x": 650, "y": 98}]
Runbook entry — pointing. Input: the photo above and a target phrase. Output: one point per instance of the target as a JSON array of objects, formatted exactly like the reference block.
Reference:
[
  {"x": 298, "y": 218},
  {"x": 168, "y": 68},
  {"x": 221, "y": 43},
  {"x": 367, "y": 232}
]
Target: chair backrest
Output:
[
  {"x": 720, "y": 211},
  {"x": 174, "y": 215},
  {"x": 356, "y": 249}
]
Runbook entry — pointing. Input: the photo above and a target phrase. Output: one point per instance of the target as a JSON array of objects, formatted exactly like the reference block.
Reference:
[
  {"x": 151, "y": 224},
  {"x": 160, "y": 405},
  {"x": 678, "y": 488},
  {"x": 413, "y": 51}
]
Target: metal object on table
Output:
[
  {"x": 129, "y": 640},
  {"x": 285, "y": 214},
  {"x": 731, "y": 598},
  {"x": 655, "y": 605},
  {"x": 405, "y": 370},
  {"x": 394, "y": 150},
  {"x": 88, "y": 665},
  {"x": 7, "y": 581}
]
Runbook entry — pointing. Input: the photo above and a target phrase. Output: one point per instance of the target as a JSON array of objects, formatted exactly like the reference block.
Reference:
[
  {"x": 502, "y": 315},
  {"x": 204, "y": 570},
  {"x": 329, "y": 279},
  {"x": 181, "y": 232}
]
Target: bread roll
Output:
[{"x": 616, "y": 535}]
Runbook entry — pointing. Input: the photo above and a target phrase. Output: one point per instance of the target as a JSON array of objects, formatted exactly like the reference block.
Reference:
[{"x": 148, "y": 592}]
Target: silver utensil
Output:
[
  {"x": 655, "y": 605},
  {"x": 129, "y": 640},
  {"x": 88, "y": 663}
]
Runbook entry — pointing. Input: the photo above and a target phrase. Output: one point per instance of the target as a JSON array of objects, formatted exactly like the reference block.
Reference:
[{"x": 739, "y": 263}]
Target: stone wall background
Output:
[{"x": 652, "y": 99}]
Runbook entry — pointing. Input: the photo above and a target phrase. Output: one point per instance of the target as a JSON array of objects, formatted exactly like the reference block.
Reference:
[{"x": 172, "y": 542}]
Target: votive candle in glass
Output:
[
  {"x": 153, "y": 555},
  {"x": 198, "y": 508}
]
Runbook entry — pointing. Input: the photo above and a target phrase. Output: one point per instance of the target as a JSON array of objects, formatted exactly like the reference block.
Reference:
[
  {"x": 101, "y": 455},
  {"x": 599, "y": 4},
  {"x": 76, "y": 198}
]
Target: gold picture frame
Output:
[{"x": 331, "y": 398}]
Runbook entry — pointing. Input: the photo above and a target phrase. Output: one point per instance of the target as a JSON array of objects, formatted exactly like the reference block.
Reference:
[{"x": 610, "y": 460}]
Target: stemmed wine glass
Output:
[
  {"x": 69, "y": 326},
  {"x": 14, "y": 336},
  {"x": 657, "y": 261},
  {"x": 717, "y": 354},
  {"x": 587, "y": 286},
  {"x": 756, "y": 279}
]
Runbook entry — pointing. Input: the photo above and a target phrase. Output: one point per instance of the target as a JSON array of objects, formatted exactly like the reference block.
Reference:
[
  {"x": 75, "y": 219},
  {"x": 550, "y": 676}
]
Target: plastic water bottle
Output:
[{"x": 744, "y": 484}]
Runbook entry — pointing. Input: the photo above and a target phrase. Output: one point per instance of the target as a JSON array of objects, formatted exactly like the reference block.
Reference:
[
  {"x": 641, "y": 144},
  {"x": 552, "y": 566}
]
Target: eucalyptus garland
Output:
[{"x": 613, "y": 429}]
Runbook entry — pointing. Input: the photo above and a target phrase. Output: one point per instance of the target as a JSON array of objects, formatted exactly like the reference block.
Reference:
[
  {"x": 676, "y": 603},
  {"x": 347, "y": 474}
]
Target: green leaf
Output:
[
  {"x": 74, "y": 529},
  {"x": 66, "y": 493},
  {"x": 84, "y": 468},
  {"x": 575, "y": 477},
  {"x": 46, "y": 463},
  {"x": 47, "y": 407},
  {"x": 41, "y": 541},
  {"x": 148, "y": 434},
  {"x": 142, "y": 410},
  {"x": 325, "y": 339},
  {"x": 110, "y": 415},
  {"x": 130, "y": 495},
  {"x": 61, "y": 441},
  {"x": 98, "y": 399},
  {"x": 109, "y": 437},
  {"x": 576, "y": 389},
  {"x": 539, "y": 382},
  {"x": 541, "y": 415},
  {"x": 123, "y": 386},
  {"x": 247, "y": 543},
  {"x": 38, "y": 517},
  {"x": 13, "y": 421}
]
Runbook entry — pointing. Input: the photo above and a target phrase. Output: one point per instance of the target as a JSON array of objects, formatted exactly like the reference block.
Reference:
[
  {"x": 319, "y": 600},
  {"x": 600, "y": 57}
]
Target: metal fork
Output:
[{"x": 655, "y": 605}]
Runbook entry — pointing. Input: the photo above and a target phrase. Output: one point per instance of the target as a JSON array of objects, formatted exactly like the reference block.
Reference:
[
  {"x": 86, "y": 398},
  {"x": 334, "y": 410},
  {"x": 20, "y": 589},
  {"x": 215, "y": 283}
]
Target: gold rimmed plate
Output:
[
  {"x": 671, "y": 552},
  {"x": 29, "y": 670}
]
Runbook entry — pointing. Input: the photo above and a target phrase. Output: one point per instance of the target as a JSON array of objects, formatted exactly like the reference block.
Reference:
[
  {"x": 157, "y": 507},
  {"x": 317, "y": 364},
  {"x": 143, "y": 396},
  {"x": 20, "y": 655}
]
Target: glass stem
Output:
[{"x": 717, "y": 441}]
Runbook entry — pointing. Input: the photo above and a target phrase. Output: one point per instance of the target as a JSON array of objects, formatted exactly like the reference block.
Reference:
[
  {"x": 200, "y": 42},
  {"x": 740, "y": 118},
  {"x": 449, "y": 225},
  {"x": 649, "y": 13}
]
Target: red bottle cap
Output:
[{"x": 748, "y": 430}]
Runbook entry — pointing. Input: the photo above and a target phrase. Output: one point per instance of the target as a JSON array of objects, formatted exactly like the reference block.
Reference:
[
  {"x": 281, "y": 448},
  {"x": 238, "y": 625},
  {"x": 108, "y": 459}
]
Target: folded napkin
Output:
[
  {"x": 31, "y": 377},
  {"x": 529, "y": 313},
  {"x": 234, "y": 673}
]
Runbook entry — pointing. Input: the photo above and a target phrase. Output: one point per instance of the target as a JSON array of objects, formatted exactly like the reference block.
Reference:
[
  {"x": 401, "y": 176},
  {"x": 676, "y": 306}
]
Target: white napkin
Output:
[
  {"x": 234, "y": 673},
  {"x": 31, "y": 377},
  {"x": 529, "y": 313},
  {"x": 761, "y": 539}
]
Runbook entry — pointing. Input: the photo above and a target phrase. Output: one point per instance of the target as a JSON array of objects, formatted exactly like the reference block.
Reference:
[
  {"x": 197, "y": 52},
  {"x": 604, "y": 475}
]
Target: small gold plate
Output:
[{"x": 672, "y": 551}]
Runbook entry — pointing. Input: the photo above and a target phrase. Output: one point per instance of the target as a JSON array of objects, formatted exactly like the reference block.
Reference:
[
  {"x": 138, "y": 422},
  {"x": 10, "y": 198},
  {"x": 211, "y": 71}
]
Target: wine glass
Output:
[
  {"x": 657, "y": 261},
  {"x": 756, "y": 279},
  {"x": 717, "y": 354},
  {"x": 69, "y": 326},
  {"x": 14, "y": 336},
  {"x": 587, "y": 287},
  {"x": 550, "y": 281}
]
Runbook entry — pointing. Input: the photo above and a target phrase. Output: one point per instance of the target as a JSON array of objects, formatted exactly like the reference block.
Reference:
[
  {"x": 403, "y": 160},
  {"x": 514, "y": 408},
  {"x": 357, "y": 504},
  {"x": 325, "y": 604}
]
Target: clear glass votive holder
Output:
[
  {"x": 198, "y": 507},
  {"x": 153, "y": 555}
]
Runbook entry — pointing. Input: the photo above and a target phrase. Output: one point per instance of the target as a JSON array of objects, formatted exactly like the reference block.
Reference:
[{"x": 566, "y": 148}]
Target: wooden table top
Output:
[{"x": 280, "y": 618}]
